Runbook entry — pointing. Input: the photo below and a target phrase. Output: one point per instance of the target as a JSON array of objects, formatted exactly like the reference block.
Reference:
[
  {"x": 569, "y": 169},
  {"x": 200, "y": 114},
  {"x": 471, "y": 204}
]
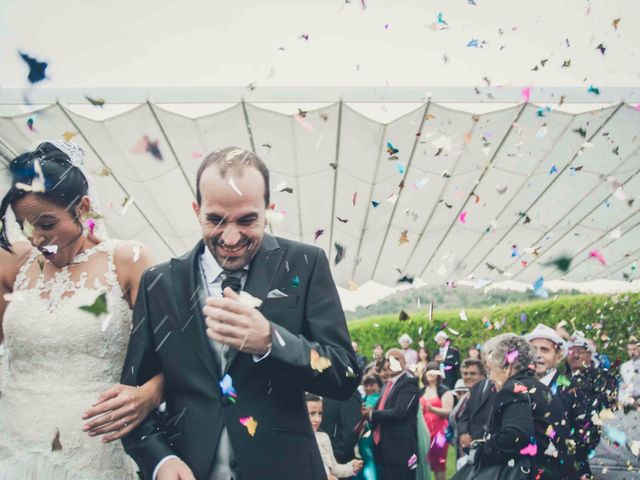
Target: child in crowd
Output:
[{"x": 334, "y": 469}]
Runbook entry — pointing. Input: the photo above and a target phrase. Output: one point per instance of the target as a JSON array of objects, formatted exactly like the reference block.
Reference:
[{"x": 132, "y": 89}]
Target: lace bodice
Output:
[{"x": 58, "y": 359}]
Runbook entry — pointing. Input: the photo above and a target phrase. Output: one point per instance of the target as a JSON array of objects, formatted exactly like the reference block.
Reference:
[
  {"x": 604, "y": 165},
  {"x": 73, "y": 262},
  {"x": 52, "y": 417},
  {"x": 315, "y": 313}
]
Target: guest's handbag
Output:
[{"x": 522, "y": 469}]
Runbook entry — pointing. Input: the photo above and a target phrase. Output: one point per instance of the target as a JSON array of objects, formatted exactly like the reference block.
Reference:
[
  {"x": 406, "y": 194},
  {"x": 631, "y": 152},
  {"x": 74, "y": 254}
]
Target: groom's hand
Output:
[
  {"x": 175, "y": 469},
  {"x": 232, "y": 323}
]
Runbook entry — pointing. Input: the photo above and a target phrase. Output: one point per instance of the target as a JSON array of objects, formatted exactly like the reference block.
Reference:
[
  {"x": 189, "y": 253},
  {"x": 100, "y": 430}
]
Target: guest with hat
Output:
[
  {"x": 410, "y": 355},
  {"x": 551, "y": 349}
]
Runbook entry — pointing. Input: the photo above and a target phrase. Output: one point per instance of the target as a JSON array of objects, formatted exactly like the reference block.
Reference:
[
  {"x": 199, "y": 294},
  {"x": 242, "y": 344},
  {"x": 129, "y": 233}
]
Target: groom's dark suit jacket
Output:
[{"x": 169, "y": 336}]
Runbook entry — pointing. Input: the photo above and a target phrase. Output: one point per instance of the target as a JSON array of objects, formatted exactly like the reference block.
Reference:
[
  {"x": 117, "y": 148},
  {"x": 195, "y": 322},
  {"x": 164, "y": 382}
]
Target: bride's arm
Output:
[
  {"x": 9, "y": 266},
  {"x": 122, "y": 408}
]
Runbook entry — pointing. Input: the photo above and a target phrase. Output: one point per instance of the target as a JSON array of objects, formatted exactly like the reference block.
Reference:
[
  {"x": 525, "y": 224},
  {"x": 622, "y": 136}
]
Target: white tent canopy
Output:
[{"x": 491, "y": 196}]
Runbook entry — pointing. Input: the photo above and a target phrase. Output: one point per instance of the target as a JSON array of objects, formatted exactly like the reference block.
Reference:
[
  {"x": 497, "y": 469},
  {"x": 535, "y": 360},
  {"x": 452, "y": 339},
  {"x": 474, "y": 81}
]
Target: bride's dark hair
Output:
[{"x": 65, "y": 184}]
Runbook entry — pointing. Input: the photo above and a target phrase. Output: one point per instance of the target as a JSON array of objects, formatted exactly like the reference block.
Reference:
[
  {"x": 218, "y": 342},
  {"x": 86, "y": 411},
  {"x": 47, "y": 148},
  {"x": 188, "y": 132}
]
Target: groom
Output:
[{"x": 235, "y": 374}]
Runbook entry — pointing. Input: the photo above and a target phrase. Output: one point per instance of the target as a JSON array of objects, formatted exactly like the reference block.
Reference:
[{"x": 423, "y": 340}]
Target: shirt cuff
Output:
[
  {"x": 160, "y": 463},
  {"x": 258, "y": 358}
]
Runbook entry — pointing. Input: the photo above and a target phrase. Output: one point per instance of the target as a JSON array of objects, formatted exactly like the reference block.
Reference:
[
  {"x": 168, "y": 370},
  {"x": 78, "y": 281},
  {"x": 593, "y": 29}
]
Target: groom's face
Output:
[{"x": 232, "y": 215}]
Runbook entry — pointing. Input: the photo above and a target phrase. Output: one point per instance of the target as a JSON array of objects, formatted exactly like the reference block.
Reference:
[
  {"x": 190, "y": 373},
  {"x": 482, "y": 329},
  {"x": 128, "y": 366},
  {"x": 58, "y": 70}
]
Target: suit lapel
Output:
[
  {"x": 190, "y": 295},
  {"x": 262, "y": 270},
  {"x": 484, "y": 397}
]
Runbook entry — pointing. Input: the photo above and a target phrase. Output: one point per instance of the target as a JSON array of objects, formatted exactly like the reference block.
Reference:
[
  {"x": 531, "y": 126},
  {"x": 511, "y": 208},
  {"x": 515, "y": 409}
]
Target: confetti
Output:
[
  {"x": 374, "y": 203},
  {"x": 594, "y": 90},
  {"x": 37, "y": 182},
  {"x": 531, "y": 449},
  {"x": 317, "y": 234},
  {"x": 615, "y": 234},
  {"x": 601, "y": 48},
  {"x": 50, "y": 249},
  {"x": 250, "y": 423},
  {"x": 317, "y": 362},
  {"x": 353, "y": 199},
  {"x": 136, "y": 249},
  {"x": 511, "y": 356},
  {"x": 249, "y": 300},
  {"x": 145, "y": 145},
  {"x": 403, "y": 237},
  {"x": 226, "y": 386},
  {"x": 98, "y": 307},
  {"x": 55, "y": 444},
  {"x": 296, "y": 281},
  {"x": 37, "y": 69},
  {"x": 413, "y": 461},
  {"x": 463, "y": 316},
  {"x": 561, "y": 263},
  {"x": 463, "y": 217},
  {"x": 538, "y": 288},
  {"x": 473, "y": 43},
  {"x": 400, "y": 168},
  {"x": 394, "y": 364},
  {"x": 526, "y": 94},
  {"x": 96, "y": 102},
  {"x": 68, "y": 136},
  {"x": 340, "y": 252},
  {"x": 519, "y": 388},
  {"x": 598, "y": 256},
  {"x": 403, "y": 316}
]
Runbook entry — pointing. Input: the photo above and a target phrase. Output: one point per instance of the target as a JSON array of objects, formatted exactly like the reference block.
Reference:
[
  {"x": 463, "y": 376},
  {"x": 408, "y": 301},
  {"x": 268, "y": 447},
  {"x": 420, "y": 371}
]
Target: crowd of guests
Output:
[{"x": 529, "y": 403}]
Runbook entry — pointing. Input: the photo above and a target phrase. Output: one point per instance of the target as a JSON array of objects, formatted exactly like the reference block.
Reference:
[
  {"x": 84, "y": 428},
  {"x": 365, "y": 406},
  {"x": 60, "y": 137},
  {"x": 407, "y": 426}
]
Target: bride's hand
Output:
[{"x": 122, "y": 408}]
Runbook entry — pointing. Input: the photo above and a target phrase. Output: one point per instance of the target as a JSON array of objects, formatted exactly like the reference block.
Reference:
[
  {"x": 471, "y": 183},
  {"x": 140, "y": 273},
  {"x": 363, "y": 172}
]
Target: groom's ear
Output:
[{"x": 196, "y": 209}]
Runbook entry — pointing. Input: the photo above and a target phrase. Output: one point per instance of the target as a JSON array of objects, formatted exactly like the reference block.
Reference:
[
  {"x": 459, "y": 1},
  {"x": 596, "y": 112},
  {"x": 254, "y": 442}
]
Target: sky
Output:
[{"x": 162, "y": 43}]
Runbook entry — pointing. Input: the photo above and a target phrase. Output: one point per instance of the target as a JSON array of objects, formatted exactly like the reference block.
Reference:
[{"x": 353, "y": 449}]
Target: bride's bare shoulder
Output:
[
  {"x": 10, "y": 262},
  {"x": 133, "y": 257}
]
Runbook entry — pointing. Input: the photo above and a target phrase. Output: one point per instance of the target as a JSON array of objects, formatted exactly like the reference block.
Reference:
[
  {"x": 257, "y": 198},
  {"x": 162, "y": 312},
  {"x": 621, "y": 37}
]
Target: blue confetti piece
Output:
[
  {"x": 594, "y": 90},
  {"x": 553, "y": 170},
  {"x": 296, "y": 281},
  {"x": 374, "y": 203},
  {"x": 541, "y": 112},
  {"x": 523, "y": 317},
  {"x": 473, "y": 43},
  {"x": 226, "y": 386},
  {"x": 538, "y": 288},
  {"x": 400, "y": 168}
]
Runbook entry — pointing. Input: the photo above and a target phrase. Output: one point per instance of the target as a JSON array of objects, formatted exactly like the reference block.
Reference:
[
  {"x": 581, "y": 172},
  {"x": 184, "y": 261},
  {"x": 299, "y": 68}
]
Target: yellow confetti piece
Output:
[
  {"x": 318, "y": 363},
  {"x": 68, "y": 136},
  {"x": 251, "y": 425}
]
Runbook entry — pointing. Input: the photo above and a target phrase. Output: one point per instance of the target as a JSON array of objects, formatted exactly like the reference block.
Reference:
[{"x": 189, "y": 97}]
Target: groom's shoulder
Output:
[{"x": 295, "y": 246}]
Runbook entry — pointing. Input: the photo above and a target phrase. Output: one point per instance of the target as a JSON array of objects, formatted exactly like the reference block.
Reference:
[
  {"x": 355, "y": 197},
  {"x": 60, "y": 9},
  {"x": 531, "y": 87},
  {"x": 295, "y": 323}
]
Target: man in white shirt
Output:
[{"x": 241, "y": 326}]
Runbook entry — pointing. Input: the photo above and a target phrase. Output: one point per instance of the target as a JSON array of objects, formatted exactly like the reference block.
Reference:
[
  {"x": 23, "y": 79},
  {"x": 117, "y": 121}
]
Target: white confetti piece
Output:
[
  {"x": 394, "y": 364},
  {"x": 463, "y": 316},
  {"x": 136, "y": 252},
  {"x": 249, "y": 300},
  {"x": 279, "y": 337},
  {"x": 615, "y": 234},
  {"x": 233, "y": 185},
  {"x": 105, "y": 323},
  {"x": 52, "y": 249}
]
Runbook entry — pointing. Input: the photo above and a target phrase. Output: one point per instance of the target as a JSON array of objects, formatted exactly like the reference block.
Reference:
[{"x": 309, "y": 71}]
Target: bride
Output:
[{"x": 65, "y": 319}]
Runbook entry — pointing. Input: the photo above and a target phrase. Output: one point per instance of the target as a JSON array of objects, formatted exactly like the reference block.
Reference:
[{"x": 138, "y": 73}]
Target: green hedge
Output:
[{"x": 610, "y": 320}]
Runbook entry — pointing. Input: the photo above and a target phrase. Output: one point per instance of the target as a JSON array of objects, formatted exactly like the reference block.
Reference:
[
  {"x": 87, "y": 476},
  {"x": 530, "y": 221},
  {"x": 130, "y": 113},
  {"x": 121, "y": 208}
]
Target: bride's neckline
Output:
[{"x": 84, "y": 255}]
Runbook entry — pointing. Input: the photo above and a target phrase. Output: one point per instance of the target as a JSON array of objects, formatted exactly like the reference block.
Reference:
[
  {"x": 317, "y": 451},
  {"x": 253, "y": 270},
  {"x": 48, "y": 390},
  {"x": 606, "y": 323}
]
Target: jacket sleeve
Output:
[
  {"x": 515, "y": 427},
  {"x": 325, "y": 343},
  {"x": 406, "y": 404},
  {"x": 464, "y": 419},
  {"x": 346, "y": 438},
  {"x": 147, "y": 444}
]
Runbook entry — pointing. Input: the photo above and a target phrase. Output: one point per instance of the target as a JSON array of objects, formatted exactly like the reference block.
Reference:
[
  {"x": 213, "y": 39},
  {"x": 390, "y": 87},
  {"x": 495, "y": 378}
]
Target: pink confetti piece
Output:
[
  {"x": 196, "y": 154},
  {"x": 526, "y": 94},
  {"x": 519, "y": 388},
  {"x": 531, "y": 449},
  {"x": 463, "y": 217},
  {"x": 597, "y": 254},
  {"x": 511, "y": 356},
  {"x": 91, "y": 225}
]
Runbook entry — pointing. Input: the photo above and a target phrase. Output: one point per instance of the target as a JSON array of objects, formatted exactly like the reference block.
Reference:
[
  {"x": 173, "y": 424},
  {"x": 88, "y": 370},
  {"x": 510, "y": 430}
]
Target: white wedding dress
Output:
[{"x": 58, "y": 359}]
